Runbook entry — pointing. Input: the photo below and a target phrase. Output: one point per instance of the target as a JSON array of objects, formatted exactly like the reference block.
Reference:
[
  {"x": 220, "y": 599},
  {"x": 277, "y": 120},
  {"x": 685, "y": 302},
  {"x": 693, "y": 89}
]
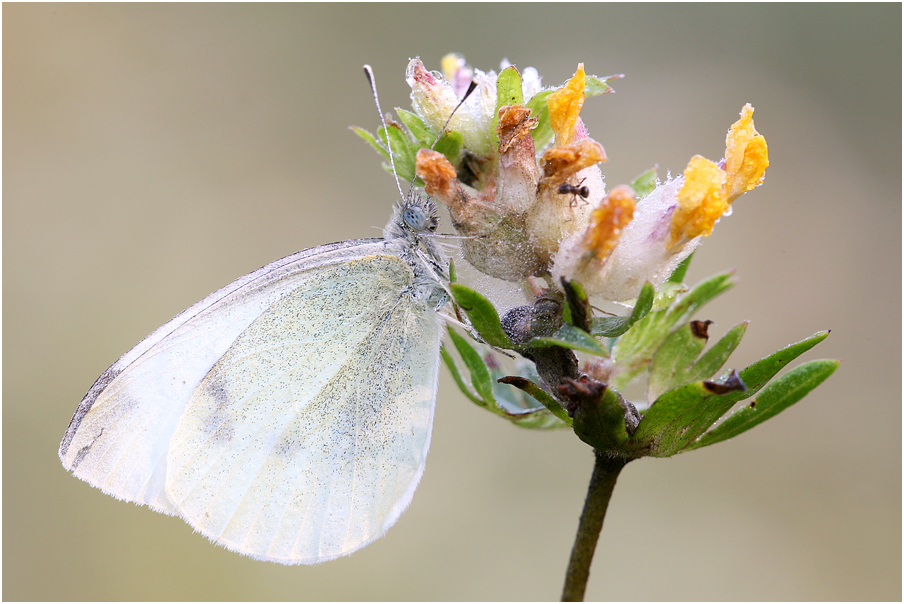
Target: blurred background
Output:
[{"x": 153, "y": 153}]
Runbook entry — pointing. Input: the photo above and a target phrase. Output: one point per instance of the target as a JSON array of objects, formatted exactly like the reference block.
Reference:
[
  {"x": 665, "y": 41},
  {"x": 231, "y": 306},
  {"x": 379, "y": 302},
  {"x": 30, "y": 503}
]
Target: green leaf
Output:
[
  {"x": 482, "y": 314},
  {"x": 756, "y": 375},
  {"x": 644, "y": 184},
  {"x": 577, "y": 305},
  {"x": 713, "y": 359},
  {"x": 682, "y": 414},
  {"x": 508, "y": 88},
  {"x": 416, "y": 127},
  {"x": 687, "y": 305},
  {"x": 774, "y": 398},
  {"x": 612, "y": 327},
  {"x": 673, "y": 359},
  {"x": 634, "y": 350},
  {"x": 542, "y": 134},
  {"x": 456, "y": 375},
  {"x": 508, "y": 92},
  {"x": 367, "y": 136},
  {"x": 484, "y": 391},
  {"x": 450, "y": 145},
  {"x": 539, "y": 395},
  {"x": 680, "y": 271},
  {"x": 595, "y": 85},
  {"x": 403, "y": 150},
  {"x": 480, "y": 375},
  {"x": 569, "y": 336},
  {"x": 452, "y": 275}
]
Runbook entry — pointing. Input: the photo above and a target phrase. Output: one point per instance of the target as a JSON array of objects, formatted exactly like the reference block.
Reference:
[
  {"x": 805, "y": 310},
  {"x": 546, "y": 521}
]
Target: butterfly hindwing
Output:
[
  {"x": 119, "y": 437},
  {"x": 307, "y": 438}
]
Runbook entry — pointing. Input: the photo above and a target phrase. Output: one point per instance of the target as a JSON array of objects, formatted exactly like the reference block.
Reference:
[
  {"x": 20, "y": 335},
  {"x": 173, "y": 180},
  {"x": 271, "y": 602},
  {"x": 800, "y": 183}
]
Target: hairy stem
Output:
[{"x": 602, "y": 482}]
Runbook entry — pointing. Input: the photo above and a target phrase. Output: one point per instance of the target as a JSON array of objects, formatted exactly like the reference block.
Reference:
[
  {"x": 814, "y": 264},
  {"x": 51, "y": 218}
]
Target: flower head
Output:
[{"x": 523, "y": 183}]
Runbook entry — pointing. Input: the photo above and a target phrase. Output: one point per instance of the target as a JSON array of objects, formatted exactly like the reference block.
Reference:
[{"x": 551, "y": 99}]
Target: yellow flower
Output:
[
  {"x": 746, "y": 156},
  {"x": 708, "y": 190},
  {"x": 608, "y": 220},
  {"x": 701, "y": 202},
  {"x": 565, "y": 106}
]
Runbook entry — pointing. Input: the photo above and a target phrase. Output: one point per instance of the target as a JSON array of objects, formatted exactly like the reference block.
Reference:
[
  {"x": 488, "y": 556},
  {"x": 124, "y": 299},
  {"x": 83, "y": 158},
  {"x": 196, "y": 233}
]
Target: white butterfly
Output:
[{"x": 286, "y": 416}]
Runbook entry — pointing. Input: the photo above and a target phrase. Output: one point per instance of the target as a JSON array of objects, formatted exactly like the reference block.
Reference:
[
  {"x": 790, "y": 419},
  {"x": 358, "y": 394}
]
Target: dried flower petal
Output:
[
  {"x": 746, "y": 156},
  {"x": 565, "y": 106},
  {"x": 701, "y": 202},
  {"x": 607, "y": 222}
]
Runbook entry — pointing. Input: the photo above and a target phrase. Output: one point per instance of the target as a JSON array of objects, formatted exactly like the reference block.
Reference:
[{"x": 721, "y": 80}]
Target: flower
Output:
[
  {"x": 521, "y": 178},
  {"x": 668, "y": 224},
  {"x": 507, "y": 202}
]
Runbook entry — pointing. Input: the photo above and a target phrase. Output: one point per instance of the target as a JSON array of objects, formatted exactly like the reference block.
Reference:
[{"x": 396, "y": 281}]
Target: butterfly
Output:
[{"x": 286, "y": 416}]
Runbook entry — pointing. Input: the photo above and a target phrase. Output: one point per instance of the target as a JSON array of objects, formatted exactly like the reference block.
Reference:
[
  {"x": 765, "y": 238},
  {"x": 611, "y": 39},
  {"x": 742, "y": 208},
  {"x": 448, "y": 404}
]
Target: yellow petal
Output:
[
  {"x": 608, "y": 220},
  {"x": 450, "y": 64},
  {"x": 565, "y": 106},
  {"x": 559, "y": 163},
  {"x": 746, "y": 156},
  {"x": 701, "y": 202}
]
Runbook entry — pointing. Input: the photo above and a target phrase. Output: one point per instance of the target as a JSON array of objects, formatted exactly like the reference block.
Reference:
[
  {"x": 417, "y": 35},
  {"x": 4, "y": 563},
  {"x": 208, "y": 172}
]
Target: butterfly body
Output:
[{"x": 288, "y": 415}]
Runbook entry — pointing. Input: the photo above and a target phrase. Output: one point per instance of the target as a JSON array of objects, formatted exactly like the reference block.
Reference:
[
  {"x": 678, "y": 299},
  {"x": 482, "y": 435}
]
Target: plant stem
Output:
[{"x": 602, "y": 482}]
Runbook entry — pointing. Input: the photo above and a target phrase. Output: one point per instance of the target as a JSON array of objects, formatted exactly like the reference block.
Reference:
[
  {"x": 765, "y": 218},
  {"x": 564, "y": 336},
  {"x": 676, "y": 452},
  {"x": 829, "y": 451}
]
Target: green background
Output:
[{"x": 153, "y": 153}]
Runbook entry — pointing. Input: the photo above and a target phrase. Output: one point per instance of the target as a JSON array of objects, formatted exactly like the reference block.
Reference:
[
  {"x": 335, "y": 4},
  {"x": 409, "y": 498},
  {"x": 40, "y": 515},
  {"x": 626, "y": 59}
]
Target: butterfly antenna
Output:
[
  {"x": 471, "y": 88},
  {"x": 373, "y": 86}
]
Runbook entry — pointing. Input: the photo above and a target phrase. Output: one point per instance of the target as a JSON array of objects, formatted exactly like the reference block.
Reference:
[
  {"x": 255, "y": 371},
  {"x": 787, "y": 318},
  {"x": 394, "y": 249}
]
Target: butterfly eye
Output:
[{"x": 415, "y": 218}]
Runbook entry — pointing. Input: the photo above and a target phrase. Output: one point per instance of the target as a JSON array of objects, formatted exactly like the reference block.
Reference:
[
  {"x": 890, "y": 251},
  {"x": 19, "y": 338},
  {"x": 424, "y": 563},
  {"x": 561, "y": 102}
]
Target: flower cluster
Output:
[
  {"x": 525, "y": 189},
  {"x": 516, "y": 167}
]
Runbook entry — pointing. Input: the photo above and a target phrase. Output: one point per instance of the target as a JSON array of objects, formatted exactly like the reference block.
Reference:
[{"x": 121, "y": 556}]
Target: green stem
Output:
[{"x": 602, "y": 482}]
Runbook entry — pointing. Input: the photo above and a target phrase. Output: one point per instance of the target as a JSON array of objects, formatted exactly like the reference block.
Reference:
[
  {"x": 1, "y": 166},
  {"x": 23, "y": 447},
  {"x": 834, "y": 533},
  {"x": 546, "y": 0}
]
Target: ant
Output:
[{"x": 575, "y": 190}]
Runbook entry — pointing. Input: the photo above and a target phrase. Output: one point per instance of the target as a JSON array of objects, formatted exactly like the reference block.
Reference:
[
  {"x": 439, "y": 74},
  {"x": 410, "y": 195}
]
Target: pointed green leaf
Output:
[
  {"x": 508, "y": 92},
  {"x": 514, "y": 405},
  {"x": 539, "y": 394},
  {"x": 482, "y": 314},
  {"x": 713, "y": 359},
  {"x": 644, "y": 184},
  {"x": 774, "y": 398},
  {"x": 577, "y": 305},
  {"x": 450, "y": 145},
  {"x": 569, "y": 336},
  {"x": 680, "y": 271},
  {"x": 540, "y": 419},
  {"x": 480, "y": 375},
  {"x": 673, "y": 359},
  {"x": 452, "y": 275},
  {"x": 687, "y": 305},
  {"x": 542, "y": 134},
  {"x": 612, "y": 327},
  {"x": 367, "y": 136},
  {"x": 634, "y": 350},
  {"x": 456, "y": 375},
  {"x": 416, "y": 127},
  {"x": 682, "y": 414},
  {"x": 595, "y": 85},
  {"x": 757, "y": 375},
  {"x": 403, "y": 150}
]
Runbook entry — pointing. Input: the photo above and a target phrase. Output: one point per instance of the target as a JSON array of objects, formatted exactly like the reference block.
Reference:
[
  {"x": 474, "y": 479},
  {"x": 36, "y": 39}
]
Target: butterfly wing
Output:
[
  {"x": 342, "y": 407},
  {"x": 286, "y": 416}
]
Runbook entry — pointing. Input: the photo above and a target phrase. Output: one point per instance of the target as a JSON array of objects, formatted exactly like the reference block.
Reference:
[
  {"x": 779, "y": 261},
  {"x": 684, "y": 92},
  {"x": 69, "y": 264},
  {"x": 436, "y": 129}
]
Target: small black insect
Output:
[{"x": 578, "y": 190}]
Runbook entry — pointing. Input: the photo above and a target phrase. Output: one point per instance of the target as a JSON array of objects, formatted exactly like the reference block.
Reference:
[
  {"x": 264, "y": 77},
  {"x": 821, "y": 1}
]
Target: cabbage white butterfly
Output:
[{"x": 286, "y": 416}]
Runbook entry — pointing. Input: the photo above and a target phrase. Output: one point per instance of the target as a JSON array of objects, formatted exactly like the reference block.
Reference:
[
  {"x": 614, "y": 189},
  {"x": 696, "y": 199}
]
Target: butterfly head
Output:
[{"x": 415, "y": 217}]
